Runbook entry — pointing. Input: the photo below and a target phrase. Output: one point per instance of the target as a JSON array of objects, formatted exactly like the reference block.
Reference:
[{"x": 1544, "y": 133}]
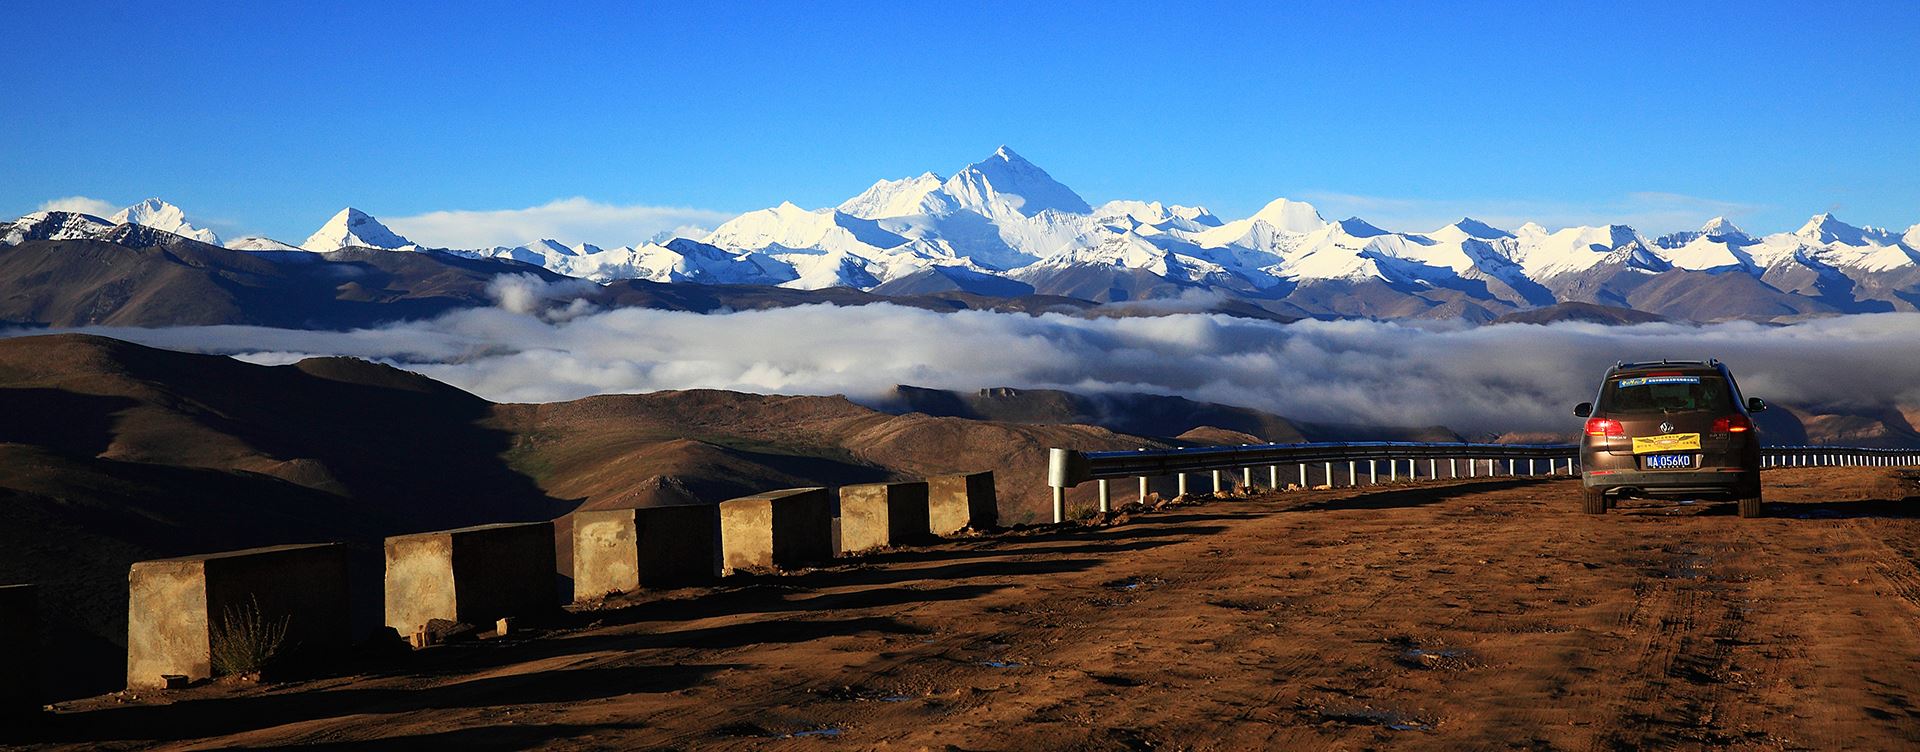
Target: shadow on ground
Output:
[
  {"x": 219, "y": 716},
  {"x": 1906, "y": 508},
  {"x": 1413, "y": 496}
]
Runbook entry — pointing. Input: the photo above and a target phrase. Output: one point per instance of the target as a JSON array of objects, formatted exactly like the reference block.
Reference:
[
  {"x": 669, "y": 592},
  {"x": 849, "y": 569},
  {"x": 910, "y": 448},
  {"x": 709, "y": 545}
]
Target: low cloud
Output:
[
  {"x": 81, "y": 204},
  {"x": 540, "y": 345},
  {"x": 1650, "y": 212},
  {"x": 569, "y": 220}
]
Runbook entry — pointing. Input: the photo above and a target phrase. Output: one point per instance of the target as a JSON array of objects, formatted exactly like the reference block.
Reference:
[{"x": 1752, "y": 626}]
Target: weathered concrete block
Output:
[
  {"x": 776, "y": 529},
  {"x": 472, "y": 575},
  {"x": 958, "y": 502},
  {"x": 874, "y": 515},
  {"x": 621, "y": 550},
  {"x": 177, "y": 608},
  {"x": 19, "y": 650}
]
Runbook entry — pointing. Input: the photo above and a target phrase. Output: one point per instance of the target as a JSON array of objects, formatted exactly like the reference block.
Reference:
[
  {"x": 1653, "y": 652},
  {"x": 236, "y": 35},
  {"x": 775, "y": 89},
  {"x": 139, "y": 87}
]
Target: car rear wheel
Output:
[
  {"x": 1750, "y": 506},
  {"x": 1593, "y": 501}
]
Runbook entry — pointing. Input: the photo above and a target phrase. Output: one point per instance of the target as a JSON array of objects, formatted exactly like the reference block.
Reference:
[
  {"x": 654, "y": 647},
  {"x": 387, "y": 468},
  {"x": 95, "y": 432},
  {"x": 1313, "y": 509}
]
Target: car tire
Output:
[
  {"x": 1593, "y": 501},
  {"x": 1750, "y": 506}
]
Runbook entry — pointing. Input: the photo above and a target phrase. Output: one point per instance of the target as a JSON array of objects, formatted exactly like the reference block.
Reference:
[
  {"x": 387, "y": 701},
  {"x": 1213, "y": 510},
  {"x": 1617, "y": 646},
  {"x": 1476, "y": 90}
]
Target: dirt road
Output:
[{"x": 1487, "y": 615}]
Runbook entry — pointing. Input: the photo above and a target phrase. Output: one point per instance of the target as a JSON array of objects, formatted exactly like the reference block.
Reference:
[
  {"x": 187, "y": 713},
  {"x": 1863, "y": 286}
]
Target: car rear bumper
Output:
[{"x": 1727, "y": 481}]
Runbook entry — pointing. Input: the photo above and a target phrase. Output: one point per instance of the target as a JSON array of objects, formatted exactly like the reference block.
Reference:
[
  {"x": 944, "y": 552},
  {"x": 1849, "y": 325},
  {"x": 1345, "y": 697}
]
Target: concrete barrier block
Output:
[
  {"x": 622, "y": 550},
  {"x": 958, "y": 502},
  {"x": 177, "y": 608},
  {"x": 784, "y": 528},
  {"x": 875, "y": 515},
  {"x": 472, "y": 575},
  {"x": 19, "y": 650}
]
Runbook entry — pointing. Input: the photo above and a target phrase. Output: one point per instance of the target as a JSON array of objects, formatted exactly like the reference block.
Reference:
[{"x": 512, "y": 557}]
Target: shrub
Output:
[{"x": 245, "y": 640}]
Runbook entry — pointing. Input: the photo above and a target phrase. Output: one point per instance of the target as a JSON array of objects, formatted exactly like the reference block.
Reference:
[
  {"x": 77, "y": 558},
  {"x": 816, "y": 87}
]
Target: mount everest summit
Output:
[{"x": 1005, "y": 227}]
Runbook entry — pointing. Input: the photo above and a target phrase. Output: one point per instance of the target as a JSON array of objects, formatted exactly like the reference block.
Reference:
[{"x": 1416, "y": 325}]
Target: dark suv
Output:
[{"x": 1670, "y": 429}]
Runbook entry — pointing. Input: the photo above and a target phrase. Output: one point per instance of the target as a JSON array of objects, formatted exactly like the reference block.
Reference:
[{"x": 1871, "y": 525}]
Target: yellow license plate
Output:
[{"x": 1673, "y": 442}]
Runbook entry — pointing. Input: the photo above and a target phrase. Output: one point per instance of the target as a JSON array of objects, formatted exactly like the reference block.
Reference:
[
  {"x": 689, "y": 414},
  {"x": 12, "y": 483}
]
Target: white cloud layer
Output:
[
  {"x": 541, "y": 345},
  {"x": 569, "y": 220},
  {"x": 82, "y": 204}
]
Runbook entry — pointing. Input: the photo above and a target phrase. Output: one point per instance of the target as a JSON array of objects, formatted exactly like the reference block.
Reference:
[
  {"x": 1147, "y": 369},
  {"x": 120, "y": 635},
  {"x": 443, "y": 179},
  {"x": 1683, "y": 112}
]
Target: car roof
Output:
[{"x": 1694, "y": 366}]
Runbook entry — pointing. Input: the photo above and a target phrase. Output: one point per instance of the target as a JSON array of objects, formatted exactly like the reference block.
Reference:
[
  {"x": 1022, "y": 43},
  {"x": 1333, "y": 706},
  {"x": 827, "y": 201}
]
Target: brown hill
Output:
[
  {"x": 1141, "y": 414},
  {"x": 113, "y": 453},
  {"x": 1592, "y": 313},
  {"x": 156, "y": 279}
]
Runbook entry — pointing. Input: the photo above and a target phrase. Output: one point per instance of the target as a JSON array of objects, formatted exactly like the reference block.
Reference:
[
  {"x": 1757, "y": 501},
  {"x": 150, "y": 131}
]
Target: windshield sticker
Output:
[{"x": 1651, "y": 380}]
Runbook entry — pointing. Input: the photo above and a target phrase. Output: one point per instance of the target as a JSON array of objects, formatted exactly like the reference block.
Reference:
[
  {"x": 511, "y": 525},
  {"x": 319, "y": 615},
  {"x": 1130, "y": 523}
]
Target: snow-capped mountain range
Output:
[{"x": 1003, "y": 226}]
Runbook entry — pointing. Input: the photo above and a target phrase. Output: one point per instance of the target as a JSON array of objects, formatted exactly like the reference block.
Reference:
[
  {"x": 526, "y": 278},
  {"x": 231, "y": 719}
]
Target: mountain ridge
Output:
[{"x": 1003, "y": 225}]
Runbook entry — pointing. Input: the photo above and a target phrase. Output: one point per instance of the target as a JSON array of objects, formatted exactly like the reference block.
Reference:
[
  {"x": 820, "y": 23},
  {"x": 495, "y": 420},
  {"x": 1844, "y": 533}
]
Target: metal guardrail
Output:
[
  {"x": 1067, "y": 468},
  {"x": 1828, "y": 456}
]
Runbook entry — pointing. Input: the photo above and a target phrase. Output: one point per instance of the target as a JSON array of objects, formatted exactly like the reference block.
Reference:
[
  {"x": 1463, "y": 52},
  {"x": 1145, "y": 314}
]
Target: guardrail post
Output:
[
  {"x": 1273, "y": 477},
  {"x": 1303, "y": 476},
  {"x": 1329, "y": 474},
  {"x": 1181, "y": 483},
  {"x": 1246, "y": 477},
  {"x": 1143, "y": 490},
  {"x": 1473, "y": 467},
  {"x": 1373, "y": 473},
  {"x": 1353, "y": 473},
  {"x": 1393, "y": 471},
  {"x": 1106, "y": 497},
  {"x": 1529, "y": 467},
  {"x": 1216, "y": 482},
  {"x": 1433, "y": 469}
]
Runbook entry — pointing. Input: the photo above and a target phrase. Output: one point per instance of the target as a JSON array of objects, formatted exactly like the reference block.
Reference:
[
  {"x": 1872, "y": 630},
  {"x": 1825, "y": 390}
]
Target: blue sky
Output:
[{"x": 267, "y": 118}]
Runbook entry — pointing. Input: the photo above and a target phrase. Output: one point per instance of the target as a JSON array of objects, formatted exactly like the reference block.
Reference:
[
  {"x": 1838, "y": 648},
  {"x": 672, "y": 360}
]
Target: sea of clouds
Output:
[{"x": 540, "y": 344}]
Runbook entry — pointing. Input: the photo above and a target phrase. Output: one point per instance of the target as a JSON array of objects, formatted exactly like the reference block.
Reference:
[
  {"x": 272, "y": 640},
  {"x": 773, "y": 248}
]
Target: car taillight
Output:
[
  {"x": 1733, "y": 424},
  {"x": 1605, "y": 427}
]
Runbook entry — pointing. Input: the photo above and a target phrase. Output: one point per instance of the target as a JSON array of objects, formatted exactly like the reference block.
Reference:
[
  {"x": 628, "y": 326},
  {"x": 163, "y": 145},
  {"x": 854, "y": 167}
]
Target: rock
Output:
[{"x": 443, "y": 630}]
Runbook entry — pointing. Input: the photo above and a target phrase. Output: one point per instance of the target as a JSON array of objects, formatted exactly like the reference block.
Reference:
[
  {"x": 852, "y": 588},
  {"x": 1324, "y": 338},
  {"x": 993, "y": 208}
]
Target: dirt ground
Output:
[{"x": 1482, "y": 615}]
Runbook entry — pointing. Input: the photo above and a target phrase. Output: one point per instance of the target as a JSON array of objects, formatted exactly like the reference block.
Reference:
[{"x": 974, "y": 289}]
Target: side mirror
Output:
[
  {"x": 1755, "y": 404},
  {"x": 1582, "y": 410}
]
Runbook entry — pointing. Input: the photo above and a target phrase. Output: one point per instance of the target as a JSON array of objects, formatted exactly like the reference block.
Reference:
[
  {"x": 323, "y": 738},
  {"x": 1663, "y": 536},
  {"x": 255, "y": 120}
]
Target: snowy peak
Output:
[
  {"x": 1359, "y": 228},
  {"x": 352, "y": 227},
  {"x": 1157, "y": 215},
  {"x": 897, "y": 198},
  {"x": 1826, "y": 229},
  {"x": 1469, "y": 227},
  {"x": 1721, "y": 228},
  {"x": 1007, "y": 183},
  {"x": 161, "y": 215},
  {"x": 55, "y": 225},
  {"x": 259, "y": 243},
  {"x": 1298, "y": 217},
  {"x": 1718, "y": 230}
]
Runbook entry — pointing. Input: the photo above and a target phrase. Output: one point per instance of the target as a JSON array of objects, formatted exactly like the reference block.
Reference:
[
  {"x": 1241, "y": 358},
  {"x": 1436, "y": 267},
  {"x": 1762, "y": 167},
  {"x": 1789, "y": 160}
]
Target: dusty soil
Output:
[{"x": 1484, "y": 615}]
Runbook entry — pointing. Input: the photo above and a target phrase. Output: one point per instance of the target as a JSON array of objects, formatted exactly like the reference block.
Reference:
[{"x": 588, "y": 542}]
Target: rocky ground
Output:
[{"x": 1483, "y": 615}]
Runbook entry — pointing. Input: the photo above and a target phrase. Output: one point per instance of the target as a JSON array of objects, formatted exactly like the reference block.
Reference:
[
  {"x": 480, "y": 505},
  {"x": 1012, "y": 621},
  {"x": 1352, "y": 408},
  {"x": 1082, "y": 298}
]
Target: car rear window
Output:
[{"x": 1627, "y": 395}]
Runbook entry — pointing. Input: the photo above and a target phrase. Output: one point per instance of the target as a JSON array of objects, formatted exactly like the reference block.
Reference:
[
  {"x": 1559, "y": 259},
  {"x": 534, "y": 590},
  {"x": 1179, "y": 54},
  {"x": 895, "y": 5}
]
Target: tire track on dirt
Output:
[{"x": 1895, "y": 568}]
